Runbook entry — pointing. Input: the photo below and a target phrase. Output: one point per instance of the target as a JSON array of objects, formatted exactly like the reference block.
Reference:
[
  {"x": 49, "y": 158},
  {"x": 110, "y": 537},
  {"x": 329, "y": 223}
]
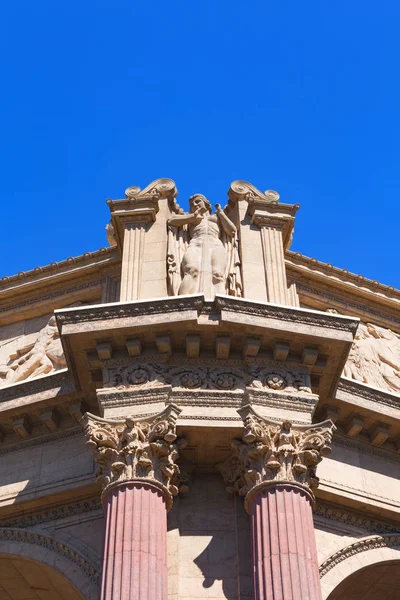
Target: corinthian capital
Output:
[
  {"x": 271, "y": 452},
  {"x": 136, "y": 450}
]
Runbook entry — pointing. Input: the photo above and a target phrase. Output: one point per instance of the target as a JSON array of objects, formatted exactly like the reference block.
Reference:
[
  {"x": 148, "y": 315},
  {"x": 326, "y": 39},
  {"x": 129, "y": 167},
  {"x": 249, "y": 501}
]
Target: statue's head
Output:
[
  {"x": 199, "y": 202},
  {"x": 287, "y": 425}
]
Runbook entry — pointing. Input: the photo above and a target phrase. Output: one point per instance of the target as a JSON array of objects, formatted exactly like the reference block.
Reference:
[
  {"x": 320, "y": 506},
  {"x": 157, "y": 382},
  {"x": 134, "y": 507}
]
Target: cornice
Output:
[
  {"x": 57, "y": 270},
  {"x": 54, "y": 513},
  {"x": 129, "y": 309},
  {"x": 358, "y": 283},
  {"x": 373, "y": 394},
  {"x": 352, "y": 519},
  {"x": 42, "y": 439},
  {"x": 346, "y": 303},
  {"x": 365, "y": 448},
  {"x": 60, "y": 379},
  {"x": 287, "y": 313}
]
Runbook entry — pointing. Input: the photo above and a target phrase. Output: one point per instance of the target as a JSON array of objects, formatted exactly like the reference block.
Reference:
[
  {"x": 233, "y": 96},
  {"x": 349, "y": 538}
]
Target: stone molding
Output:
[
  {"x": 344, "y": 304},
  {"x": 135, "y": 308},
  {"x": 144, "y": 449},
  {"x": 290, "y": 313},
  {"x": 57, "y": 379},
  {"x": 53, "y": 514},
  {"x": 296, "y": 258},
  {"x": 352, "y": 519},
  {"x": 61, "y": 293},
  {"x": 196, "y": 303},
  {"x": 38, "y": 539},
  {"x": 272, "y": 452},
  {"x": 366, "y": 448},
  {"x": 40, "y": 440},
  {"x": 370, "y": 543},
  {"x": 55, "y": 267},
  {"x": 368, "y": 392}
]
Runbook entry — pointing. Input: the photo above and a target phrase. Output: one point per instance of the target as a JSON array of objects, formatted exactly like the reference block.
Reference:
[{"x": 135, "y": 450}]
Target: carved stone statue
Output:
[
  {"x": 202, "y": 251},
  {"x": 45, "y": 356},
  {"x": 375, "y": 357}
]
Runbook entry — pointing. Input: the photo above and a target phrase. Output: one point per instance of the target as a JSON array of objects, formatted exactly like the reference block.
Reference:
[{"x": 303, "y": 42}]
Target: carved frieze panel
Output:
[
  {"x": 375, "y": 358},
  {"x": 203, "y": 375},
  {"x": 40, "y": 356}
]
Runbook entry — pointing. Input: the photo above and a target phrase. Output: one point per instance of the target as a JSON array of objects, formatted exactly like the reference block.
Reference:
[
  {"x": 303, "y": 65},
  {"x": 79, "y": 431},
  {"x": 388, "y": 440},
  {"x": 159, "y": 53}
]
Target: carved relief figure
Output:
[
  {"x": 45, "y": 356},
  {"x": 202, "y": 251},
  {"x": 375, "y": 357}
]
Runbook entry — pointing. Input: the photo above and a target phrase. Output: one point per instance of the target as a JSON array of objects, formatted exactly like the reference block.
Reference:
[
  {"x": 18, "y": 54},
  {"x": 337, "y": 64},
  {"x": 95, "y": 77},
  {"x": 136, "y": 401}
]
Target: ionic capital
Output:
[
  {"x": 136, "y": 450},
  {"x": 272, "y": 452}
]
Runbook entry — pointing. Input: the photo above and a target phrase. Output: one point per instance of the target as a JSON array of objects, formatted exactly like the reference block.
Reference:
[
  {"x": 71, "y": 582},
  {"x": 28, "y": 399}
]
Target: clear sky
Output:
[{"x": 300, "y": 97}]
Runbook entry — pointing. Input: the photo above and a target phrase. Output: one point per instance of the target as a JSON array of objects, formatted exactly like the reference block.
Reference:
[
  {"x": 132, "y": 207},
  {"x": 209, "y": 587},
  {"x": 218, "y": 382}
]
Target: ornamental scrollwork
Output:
[
  {"x": 136, "y": 450},
  {"x": 149, "y": 374},
  {"x": 270, "y": 452}
]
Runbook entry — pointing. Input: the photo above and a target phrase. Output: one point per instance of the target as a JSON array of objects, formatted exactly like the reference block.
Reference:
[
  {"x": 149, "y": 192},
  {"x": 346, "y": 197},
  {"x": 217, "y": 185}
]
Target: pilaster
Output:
[
  {"x": 264, "y": 270},
  {"x": 138, "y": 223}
]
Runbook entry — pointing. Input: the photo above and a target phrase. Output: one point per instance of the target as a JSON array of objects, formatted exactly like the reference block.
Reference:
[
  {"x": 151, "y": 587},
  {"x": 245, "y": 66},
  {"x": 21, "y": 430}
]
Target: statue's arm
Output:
[
  {"x": 180, "y": 220},
  {"x": 226, "y": 223}
]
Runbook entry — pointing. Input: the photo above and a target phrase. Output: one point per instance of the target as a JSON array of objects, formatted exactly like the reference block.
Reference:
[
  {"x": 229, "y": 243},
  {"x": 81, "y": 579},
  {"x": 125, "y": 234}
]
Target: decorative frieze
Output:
[
  {"x": 266, "y": 375},
  {"x": 271, "y": 452},
  {"x": 364, "y": 545},
  {"x": 136, "y": 450}
]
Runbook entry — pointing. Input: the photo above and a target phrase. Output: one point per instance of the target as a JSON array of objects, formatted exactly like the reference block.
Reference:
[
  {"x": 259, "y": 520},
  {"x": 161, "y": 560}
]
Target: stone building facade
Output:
[{"x": 196, "y": 411}]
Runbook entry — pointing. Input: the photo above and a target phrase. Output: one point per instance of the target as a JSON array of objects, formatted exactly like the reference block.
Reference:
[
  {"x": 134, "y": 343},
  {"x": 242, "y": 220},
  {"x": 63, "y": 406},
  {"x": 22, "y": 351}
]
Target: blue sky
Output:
[{"x": 301, "y": 97}]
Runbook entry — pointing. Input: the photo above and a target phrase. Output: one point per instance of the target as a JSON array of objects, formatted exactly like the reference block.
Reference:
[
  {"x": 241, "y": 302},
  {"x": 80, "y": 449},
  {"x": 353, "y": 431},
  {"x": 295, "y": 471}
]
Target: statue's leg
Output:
[
  {"x": 191, "y": 264},
  {"x": 219, "y": 260},
  {"x": 34, "y": 366}
]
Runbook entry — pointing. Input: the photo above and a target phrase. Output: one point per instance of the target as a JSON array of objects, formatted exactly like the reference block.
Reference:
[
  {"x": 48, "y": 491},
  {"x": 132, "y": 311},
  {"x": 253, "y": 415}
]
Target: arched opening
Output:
[
  {"x": 375, "y": 582},
  {"x": 26, "y": 578}
]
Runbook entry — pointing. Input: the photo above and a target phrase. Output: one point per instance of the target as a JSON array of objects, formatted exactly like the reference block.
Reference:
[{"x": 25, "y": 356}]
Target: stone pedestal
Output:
[
  {"x": 284, "y": 553},
  {"x": 135, "y": 548}
]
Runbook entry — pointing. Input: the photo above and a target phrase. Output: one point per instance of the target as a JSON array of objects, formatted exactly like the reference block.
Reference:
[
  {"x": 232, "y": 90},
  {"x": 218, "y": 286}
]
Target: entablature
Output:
[{"x": 226, "y": 328}]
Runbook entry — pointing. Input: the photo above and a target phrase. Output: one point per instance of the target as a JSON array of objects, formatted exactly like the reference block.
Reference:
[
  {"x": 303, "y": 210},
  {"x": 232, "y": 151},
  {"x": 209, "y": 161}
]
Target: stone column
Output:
[
  {"x": 136, "y": 461},
  {"x": 273, "y": 466}
]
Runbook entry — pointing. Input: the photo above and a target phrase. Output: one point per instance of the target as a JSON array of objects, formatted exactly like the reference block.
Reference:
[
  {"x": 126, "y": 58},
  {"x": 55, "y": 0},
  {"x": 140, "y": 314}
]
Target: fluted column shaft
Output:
[
  {"x": 135, "y": 548},
  {"x": 284, "y": 552}
]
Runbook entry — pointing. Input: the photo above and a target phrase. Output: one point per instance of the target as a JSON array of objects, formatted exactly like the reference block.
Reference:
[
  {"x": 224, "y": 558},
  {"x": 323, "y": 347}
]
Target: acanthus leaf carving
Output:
[
  {"x": 144, "y": 449},
  {"x": 271, "y": 452}
]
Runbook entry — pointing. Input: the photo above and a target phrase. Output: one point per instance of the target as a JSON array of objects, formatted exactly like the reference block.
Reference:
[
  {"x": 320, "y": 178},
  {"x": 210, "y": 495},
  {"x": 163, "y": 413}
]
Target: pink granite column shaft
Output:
[
  {"x": 284, "y": 552},
  {"x": 135, "y": 548}
]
